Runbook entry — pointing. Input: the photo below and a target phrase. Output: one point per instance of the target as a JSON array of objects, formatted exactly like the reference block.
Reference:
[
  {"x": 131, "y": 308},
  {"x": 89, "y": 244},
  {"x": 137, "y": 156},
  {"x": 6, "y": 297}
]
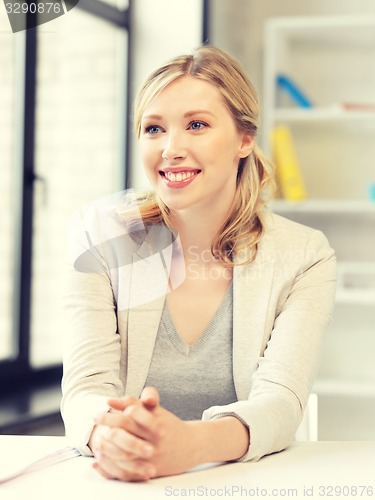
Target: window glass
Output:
[
  {"x": 9, "y": 186},
  {"x": 80, "y": 138},
  {"x": 120, "y": 4}
]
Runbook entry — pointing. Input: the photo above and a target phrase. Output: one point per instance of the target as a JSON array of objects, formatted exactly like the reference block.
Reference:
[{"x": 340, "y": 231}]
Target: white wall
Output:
[{"x": 162, "y": 29}]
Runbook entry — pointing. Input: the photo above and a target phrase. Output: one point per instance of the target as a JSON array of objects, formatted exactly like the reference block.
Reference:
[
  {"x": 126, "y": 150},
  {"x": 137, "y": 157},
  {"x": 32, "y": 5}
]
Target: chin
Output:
[
  {"x": 176, "y": 206},
  {"x": 176, "y": 203}
]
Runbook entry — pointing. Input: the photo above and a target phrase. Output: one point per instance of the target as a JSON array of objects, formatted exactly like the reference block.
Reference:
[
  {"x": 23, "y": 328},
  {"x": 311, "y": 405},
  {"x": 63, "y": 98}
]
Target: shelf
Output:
[
  {"x": 361, "y": 207},
  {"x": 302, "y": 24},
  {"x": 346, "y": 30},
  {"x": 356, "y": 283},
  {"x": 319, "y": 114},
  {"x": 355, "y": 296},
  {"x": 330, "y": 387}
]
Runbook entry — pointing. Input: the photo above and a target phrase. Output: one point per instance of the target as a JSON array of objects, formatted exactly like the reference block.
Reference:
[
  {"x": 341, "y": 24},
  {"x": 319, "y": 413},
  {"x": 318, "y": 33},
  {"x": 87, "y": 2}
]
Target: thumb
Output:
[
  {"x": 150, "y": 397},
  {"x": 121, "y": 404}
]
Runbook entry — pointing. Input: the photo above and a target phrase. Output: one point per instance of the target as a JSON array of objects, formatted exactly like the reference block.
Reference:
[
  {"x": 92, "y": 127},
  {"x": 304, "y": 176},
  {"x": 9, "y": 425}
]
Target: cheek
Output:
[
  {"x": 225, "y": 144},
  {"x": 226, "y": 153},
  {"x": 149, "y": 156}
]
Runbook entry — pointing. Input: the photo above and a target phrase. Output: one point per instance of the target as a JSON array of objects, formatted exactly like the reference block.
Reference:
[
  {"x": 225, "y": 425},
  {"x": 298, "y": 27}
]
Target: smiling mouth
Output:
[{"x": 182, "y": 176}]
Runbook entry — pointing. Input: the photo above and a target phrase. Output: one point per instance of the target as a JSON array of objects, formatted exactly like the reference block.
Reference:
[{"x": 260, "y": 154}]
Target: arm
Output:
[
  {"x": 167, "y": 445},
  {"x": 92, "y": 348},
  {"x": 299, "y": 309}
]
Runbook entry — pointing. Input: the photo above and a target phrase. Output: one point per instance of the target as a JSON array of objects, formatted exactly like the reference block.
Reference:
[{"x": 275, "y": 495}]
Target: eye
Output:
[
  {"x": 152, "y": 129},
  {"x": 197, "y": 125}
]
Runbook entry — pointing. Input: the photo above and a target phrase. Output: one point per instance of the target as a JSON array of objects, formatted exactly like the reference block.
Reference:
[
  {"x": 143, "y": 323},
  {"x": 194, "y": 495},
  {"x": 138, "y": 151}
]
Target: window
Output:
[
  {"x": 78, "y": 157},
  {"x": 8, "y": 189},
  {"x": 63, "y": 102}
]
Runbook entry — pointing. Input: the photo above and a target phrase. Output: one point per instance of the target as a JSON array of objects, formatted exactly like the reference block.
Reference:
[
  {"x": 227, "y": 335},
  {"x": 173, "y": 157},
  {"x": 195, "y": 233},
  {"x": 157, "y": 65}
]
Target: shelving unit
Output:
[
  {"x": 334, "y": 113},
  {"x": 332, "y": 59},
  {"x": 322, "y": 206}
]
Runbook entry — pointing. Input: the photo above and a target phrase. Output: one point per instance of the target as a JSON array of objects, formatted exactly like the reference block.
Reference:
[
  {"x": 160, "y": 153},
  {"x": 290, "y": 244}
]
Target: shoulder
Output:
[
  {"x": 289, "y": 241},
  {"x": 277, "y": 226},
  {"x": 286, "y": 231},
  {"x": 113, "y": 216},
  {"x": 112, "y": 229}
]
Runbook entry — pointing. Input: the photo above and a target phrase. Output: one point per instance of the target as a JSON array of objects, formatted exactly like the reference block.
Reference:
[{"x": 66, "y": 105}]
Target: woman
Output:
[{"x": 210, "y": 356}]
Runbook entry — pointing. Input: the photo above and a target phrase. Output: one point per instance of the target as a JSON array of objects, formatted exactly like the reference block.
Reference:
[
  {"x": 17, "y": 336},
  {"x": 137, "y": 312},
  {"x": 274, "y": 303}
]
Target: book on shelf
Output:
[
  {"x": 358, "y": 106},
  {"x": 293, "y": 90},
  {"x": 288, "y": 171}
]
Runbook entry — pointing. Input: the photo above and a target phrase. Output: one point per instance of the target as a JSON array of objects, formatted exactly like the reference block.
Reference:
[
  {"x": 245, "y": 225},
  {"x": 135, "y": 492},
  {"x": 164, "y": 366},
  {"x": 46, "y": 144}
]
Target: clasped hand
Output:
[{"x": 138, "y": 440}]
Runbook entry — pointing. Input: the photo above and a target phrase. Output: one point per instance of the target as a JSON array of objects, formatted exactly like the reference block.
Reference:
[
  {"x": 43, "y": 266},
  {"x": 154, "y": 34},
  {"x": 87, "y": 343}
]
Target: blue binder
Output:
[{"x": 295, "y": 93}]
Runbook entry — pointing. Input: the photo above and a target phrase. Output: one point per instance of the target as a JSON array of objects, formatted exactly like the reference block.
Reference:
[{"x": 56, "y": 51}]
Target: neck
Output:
[{"x": 198, "y": 227}]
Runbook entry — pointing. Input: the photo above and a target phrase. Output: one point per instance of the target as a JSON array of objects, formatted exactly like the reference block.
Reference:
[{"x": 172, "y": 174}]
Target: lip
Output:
[
  {"x": 180, "y": 184},
  {"x": 176, "y": 170}
]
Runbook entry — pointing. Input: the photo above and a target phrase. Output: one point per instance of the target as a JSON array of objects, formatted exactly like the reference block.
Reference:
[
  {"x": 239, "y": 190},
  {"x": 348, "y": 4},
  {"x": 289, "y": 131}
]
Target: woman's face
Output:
[{"x": 190, "y": 146}]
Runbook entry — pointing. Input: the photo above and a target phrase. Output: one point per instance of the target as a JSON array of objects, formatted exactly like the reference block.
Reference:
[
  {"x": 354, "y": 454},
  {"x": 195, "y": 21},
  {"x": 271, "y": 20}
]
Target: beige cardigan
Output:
[{"x": 282, "y": 303}]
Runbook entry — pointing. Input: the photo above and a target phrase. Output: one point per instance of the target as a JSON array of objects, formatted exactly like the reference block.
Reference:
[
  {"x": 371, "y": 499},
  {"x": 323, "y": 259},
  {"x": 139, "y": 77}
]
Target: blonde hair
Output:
[{"x": 242, "y": 230}]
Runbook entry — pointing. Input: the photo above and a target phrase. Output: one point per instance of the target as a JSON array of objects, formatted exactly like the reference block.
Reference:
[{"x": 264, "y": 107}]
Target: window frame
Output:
[{"x": 17, "y": 372}]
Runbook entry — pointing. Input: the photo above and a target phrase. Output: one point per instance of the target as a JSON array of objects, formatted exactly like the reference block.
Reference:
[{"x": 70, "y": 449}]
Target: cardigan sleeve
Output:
[
  {"x": 117, "y": 264},
  {"x": 91, "y": 342},
  {"x": 286, "y": 369}
]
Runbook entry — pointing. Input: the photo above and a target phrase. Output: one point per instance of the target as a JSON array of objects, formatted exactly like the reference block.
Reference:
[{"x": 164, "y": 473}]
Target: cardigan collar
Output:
[{"x": 251, "y": 284}]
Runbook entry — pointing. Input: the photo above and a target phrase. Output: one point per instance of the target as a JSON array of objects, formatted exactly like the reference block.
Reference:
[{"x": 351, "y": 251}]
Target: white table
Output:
[{"x": 323, "y": 469}]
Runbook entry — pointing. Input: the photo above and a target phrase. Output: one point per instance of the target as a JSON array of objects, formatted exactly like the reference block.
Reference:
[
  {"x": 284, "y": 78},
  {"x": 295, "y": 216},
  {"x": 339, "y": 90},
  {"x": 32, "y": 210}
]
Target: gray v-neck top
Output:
[{"x": 192, "y": 378}]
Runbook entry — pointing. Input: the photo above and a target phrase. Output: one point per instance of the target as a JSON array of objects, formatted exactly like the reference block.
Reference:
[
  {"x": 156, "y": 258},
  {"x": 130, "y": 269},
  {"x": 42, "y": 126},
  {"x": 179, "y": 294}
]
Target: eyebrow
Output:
[
  {"x": 152, "y": 117},
  {"x": 198, "y": 112},
  {"x": 188, "y": 114}
]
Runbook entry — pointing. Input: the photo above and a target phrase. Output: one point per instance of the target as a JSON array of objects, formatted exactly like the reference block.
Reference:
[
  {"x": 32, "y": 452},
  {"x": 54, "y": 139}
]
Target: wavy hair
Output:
[{"x": 237, "y": 239}]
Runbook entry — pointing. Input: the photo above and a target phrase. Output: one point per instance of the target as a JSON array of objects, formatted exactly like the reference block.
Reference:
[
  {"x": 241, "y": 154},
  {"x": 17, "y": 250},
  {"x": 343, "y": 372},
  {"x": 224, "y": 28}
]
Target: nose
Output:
[{"x": 174, "y": 147}]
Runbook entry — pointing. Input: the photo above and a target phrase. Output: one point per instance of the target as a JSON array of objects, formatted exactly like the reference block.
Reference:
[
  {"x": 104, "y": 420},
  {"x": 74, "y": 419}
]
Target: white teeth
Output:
[{"x": 180, "y": 176}]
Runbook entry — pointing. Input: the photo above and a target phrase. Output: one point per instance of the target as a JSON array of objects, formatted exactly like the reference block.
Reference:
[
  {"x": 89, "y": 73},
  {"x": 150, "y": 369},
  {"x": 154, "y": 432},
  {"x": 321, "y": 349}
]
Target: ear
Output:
[{"x": 246, "y": 146}]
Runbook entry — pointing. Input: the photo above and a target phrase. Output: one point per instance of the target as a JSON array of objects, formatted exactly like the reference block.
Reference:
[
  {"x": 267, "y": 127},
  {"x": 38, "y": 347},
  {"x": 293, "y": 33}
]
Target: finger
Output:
[
  {"x": 117, "y": 444},
  {"x": 139, "y": 423},
  {"x": 101, "y": 471},
  {"x": 115, "y": 420},
  {"x": 132, "y": 470},
  {"x": 122, "y": 403},
  {"x": 150, "y": 397},
  {"x": 118, "y": 473},
  {"x": 148, "y": 424}
]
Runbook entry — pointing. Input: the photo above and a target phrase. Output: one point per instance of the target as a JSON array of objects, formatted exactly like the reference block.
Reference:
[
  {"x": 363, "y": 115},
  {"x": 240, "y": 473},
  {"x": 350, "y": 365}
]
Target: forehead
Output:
[{"x": 187, "y": 92}]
